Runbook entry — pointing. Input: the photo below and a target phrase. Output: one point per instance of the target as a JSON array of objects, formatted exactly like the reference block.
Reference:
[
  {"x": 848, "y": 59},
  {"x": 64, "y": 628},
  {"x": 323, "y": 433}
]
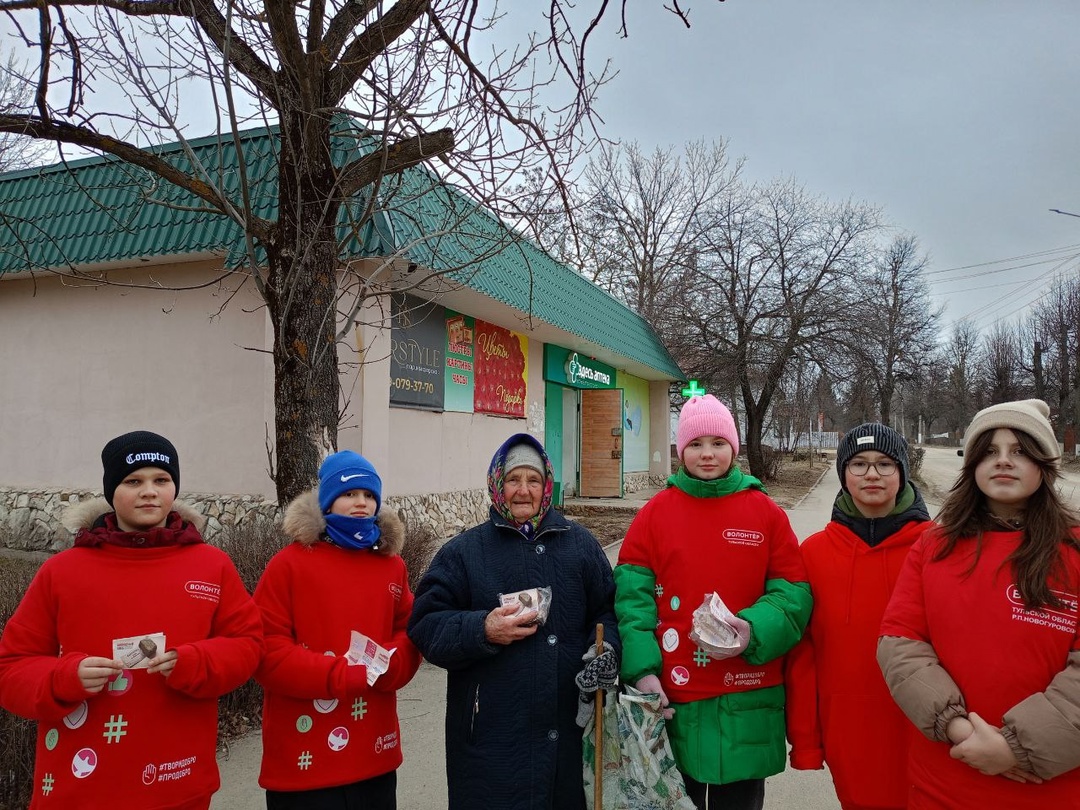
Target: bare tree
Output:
[
  {"x": 1001, "y": 366},
  {"x": 1055, "y": 347},
  {"x": 960, "y": 357},
  {"x": 640, "y": 224},
  {"x": 774, "y": 283},
  {"x": 412, "y": 81},
  {"x": 16, "y": 150},
  {"x": 896, "y": 328},
  {"x": 925, "y": 394}
]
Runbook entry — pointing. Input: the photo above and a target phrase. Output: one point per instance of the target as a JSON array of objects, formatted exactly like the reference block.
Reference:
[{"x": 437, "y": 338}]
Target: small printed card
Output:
[
  {"x": 529, "y": 599},
  {"x": 135, "y": 652},
  {"x": 362, "y": 650}
]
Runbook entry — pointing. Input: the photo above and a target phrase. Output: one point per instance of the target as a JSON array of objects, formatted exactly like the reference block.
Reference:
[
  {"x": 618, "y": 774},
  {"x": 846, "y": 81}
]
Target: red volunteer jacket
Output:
[
  {"x": 732, "y": 545},
  {"x": 322, "y": 724},
  {"x": 997, "y": 652},
  {"x": 839, "y": 709},
  {"x": 145, "y": 741}
]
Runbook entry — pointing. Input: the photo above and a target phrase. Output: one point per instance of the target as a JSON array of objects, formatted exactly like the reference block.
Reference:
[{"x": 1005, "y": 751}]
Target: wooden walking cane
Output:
[{"x": 598, "y": 765}]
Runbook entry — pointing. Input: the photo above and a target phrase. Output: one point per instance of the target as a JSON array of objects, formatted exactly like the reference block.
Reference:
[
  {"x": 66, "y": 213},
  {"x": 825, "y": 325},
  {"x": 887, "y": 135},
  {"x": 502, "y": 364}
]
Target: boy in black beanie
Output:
[{"x": 122, "y": 645}]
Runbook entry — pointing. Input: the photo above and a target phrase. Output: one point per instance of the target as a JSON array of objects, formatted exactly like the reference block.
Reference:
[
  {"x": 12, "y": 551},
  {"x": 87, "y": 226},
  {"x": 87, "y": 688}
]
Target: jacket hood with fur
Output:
[{"x": 304, "y": 522}]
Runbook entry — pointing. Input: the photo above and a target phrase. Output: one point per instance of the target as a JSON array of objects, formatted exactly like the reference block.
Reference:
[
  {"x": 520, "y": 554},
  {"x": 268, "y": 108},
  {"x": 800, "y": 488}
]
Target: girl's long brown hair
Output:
[{"x": 1048, "y": 523}]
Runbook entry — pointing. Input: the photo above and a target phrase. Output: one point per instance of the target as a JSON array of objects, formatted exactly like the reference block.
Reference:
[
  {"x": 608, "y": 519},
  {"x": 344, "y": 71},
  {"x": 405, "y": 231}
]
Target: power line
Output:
[
  {"x": 1000, "y": 270},
  {"x": 1041, "y": 289},
  {"x": 1003, "y": 261}
]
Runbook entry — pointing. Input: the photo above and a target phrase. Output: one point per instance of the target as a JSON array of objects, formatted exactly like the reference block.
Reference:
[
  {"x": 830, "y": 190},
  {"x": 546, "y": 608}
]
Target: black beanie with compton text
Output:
[{"x": 132, "y": 451}]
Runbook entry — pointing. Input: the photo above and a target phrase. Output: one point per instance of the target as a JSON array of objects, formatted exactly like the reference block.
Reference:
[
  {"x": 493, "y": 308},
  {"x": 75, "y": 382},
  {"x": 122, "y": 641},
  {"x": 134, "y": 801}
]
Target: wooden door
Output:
[{"x": 601, "y": 443}]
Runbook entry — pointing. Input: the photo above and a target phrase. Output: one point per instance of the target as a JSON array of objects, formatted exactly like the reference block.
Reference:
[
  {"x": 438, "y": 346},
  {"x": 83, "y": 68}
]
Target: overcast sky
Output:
[{"x": 959, "y": 118}]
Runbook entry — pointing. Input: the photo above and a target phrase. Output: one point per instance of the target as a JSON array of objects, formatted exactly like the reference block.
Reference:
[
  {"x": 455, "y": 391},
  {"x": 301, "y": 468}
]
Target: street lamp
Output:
[{"x": 1066, "y": 213}]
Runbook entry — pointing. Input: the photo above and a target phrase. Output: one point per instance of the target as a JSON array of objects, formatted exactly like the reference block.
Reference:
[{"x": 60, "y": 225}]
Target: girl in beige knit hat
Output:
[{"x": 979, "y": 644}]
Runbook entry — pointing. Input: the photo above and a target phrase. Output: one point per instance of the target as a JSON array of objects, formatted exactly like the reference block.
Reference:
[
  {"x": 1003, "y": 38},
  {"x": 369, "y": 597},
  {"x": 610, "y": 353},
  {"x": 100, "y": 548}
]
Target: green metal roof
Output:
[{"x": 101, "y": 210}]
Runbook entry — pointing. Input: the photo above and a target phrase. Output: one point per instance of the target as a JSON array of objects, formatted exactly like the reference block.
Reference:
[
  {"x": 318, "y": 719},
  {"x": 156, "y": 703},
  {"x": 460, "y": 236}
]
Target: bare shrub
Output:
[
  {"x": 915, "y": 460},
  {"x": 771, "y": 460},
  {"x": 250, "y": 545},
  {"x": 421, "y": 543},
  {"x": 17, "y": 735}
]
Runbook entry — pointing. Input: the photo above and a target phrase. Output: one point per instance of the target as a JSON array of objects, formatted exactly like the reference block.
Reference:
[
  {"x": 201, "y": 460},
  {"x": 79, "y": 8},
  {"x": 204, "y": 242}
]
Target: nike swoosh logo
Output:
[{"x": 345, "y": 478}]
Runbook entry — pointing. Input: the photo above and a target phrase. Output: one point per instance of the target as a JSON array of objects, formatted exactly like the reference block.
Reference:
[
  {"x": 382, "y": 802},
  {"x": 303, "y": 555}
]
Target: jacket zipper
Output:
[{"x": 475, "y": 711}]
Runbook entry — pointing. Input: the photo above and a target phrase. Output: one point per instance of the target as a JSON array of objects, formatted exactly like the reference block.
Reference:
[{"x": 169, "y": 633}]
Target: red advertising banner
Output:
[{"x": 500, "y": 371}]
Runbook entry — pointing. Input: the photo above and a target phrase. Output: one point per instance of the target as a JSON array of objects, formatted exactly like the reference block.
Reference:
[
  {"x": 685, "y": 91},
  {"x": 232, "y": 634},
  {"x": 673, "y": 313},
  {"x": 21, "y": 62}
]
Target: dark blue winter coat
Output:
[{"x": 511, "y": 739}]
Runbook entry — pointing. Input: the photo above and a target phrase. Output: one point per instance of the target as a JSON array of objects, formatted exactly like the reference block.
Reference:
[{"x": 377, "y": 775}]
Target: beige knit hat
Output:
[{"x": 1032, "y": 416}]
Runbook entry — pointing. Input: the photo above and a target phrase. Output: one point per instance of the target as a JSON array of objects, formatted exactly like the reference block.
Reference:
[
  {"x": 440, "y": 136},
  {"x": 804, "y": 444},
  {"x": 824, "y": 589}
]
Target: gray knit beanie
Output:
[
  {"x": 873, "y": 436},
  {"x": 1032, "y": 416},
  {"x": 523, "y": 455}
]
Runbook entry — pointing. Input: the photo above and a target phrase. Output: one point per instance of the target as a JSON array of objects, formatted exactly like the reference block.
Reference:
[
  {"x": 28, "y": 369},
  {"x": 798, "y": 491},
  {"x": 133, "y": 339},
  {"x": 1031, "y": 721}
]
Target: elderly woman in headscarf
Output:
[{"x": 512, "y": 693}]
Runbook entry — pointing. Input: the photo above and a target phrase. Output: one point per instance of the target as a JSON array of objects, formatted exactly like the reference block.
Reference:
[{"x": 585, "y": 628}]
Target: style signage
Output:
[{"x": 417, "y": 351}]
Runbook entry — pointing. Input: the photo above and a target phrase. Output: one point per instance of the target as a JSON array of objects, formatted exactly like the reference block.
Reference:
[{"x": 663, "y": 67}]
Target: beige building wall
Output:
[{"x": 83, "y": 363}]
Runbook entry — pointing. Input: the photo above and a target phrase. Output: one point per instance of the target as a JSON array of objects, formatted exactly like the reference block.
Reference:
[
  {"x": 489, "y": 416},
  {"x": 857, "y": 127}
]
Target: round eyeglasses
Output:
[{"x": 860, "y": 468}]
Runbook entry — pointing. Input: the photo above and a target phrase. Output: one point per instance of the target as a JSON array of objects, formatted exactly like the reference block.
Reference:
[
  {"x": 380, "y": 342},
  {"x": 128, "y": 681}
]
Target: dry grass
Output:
[{"x": 794, "y": 479}]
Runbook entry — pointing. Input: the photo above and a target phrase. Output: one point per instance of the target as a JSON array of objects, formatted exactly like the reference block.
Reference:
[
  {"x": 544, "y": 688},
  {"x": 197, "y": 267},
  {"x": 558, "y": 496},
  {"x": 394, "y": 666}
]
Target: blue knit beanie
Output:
[{"x": 345, "y": 471}]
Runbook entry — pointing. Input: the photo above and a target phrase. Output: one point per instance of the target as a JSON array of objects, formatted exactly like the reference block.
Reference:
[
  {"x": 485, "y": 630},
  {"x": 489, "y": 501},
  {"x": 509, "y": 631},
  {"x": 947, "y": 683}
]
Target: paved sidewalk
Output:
[{"x": 422, "y": 777}]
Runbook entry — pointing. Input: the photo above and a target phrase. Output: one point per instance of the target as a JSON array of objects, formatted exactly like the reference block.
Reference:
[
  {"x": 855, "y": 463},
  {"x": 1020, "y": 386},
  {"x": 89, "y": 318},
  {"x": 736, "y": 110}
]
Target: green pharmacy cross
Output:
[{"x": 692, "y": 390}]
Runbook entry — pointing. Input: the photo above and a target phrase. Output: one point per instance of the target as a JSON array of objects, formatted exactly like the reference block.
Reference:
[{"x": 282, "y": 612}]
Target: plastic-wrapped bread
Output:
[
  {"x": 148, "y": 647},
  {"x": 711, "y": 629}
]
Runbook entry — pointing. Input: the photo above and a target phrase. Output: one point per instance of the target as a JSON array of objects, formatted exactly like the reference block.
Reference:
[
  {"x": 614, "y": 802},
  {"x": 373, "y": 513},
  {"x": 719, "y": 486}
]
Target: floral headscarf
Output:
[{"x": 497, "y": 476}]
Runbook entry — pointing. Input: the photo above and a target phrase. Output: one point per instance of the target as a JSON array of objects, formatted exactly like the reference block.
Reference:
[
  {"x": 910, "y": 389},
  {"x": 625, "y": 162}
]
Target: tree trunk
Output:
[
  {"x": 302, "y": 298},
  {"x": 755, "y": 455},
  {"x": 1037, "y": 371}
]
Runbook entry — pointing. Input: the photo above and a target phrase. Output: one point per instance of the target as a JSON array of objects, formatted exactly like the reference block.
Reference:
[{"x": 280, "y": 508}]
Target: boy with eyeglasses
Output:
[{"x": 839, "y": 708}]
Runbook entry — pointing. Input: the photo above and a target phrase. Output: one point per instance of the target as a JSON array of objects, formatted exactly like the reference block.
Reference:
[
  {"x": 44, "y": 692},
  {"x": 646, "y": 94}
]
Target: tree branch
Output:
[
  {"x": 343, "y": 24},
  {"x": 394, "y": 159},
  {"x": 34, "y": 127},
  {"x": 363, "y": 50},
  {"x": 241, "y": 55}
]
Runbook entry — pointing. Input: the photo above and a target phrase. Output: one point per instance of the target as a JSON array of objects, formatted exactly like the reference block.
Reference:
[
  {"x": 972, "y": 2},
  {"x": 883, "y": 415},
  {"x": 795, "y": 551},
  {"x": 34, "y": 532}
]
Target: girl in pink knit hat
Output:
[{"x": 717, "y": 665}]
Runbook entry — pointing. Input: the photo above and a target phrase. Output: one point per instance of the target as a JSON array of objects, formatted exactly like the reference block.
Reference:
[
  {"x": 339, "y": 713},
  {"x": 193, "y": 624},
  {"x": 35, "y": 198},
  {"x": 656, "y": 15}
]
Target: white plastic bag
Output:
[{"x": 639, "y": 770}]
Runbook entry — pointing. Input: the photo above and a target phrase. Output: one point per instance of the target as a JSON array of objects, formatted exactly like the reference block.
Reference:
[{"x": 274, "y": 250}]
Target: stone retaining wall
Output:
[
  {"x": 30, "y": 519},
  {"x": 637, "y": 481}
]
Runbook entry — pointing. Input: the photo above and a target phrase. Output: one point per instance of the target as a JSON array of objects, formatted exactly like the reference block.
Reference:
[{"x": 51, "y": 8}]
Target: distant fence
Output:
[{"x": 826, "y": 440}]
